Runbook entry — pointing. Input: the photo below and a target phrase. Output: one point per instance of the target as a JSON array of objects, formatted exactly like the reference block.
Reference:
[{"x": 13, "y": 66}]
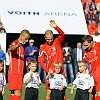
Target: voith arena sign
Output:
[
  {"x": 41, "y": 13},
  {"x": 35, "y": 15}
]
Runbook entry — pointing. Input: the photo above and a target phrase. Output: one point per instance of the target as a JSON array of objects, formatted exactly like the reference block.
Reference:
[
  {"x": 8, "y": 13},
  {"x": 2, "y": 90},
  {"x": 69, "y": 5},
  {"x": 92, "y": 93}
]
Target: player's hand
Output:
[
  {"x": 61, "y": 88},
  {"x": 53, "y": 23},
  {"x": 77, "y": 74},
  {"x": 50, "y": 72},
  {"x": 66, "y": 54},
  {"x": 90, "y": 90},
  {"x": 31, "y": 75},
  {"x": 3, "y": 93},
  {"x": 71, "y": 92},
  {"x": 38, "y": 84}
]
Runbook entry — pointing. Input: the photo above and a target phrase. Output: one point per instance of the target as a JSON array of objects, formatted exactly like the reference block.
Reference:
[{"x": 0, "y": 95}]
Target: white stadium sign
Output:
[{"x": 34, "y": 15}]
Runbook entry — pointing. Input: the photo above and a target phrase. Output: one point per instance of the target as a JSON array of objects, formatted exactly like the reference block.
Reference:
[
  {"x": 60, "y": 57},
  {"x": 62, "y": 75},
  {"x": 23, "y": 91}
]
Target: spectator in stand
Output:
[
  {"x": 98, "y": 30},
  {"x": 31, "y": 52},
  {"x": 2, "y": 54},
  {"x": 98, "y": 11},
  {"x": 68, "y": 68},
  {"x": 2, "y": 29},
  {"x": 89, "y": 5},
  {"x": 91, "y": 20},
  {"x": 77, "y": 55}
]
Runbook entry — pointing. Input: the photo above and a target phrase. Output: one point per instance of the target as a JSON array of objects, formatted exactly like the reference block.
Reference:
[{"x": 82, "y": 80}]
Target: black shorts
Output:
[
  {"x": 56, "y": 94},
  {"x": 82, "y": 94},
  {"x": 1, "y": 97},
  {"x": 31, "y": 94}
]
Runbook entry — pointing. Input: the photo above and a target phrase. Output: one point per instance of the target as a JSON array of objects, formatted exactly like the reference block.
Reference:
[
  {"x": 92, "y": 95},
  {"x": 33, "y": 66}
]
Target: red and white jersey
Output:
[
  {"x": 93, "y": 58},
  {"x": 16, "y": 60},
  {"x": 52, "y": 52}
]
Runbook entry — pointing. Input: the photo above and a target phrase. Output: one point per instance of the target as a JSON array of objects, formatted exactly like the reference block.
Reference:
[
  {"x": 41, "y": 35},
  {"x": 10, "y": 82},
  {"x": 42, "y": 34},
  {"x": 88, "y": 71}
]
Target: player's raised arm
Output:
[{"x": 53, "y": 24}]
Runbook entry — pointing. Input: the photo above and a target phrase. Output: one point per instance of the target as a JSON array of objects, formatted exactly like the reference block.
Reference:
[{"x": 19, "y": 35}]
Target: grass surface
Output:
[{"x": 42, "y": 93}]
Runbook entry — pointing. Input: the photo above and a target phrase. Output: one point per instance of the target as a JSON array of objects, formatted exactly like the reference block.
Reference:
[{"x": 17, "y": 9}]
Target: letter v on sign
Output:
[{"x": 10, "y": 12}]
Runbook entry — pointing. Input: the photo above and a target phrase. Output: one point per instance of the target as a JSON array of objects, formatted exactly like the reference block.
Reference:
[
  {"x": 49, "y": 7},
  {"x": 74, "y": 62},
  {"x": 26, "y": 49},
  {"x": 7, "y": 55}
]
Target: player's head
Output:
[
  {"x": 24, "y": 36},
  {"x": 32, "y": 64},
  {"x": 49, "y": 37},
  {"x": 82, "y": 65},
  {"x": 1, "y": 65},
  {"x": 87, "y": 42},
  {"x": 57, "y": 67}
]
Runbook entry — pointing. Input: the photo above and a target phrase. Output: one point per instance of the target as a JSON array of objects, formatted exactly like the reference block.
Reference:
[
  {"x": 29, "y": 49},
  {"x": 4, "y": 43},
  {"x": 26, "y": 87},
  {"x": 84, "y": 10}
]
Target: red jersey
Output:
[
  {"x": 93, "y": 58},
  {"x": 52, "y": 52},
  {"x": 16, "y": 60}
]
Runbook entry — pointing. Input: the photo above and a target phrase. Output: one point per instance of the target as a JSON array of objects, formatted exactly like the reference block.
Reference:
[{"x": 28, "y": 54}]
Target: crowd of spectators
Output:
[{"x": 92, "y": 15}]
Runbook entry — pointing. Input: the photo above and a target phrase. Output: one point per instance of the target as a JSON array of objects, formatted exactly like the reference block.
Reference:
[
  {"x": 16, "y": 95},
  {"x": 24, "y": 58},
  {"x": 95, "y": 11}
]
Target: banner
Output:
[{"x": 35, "y": 15}]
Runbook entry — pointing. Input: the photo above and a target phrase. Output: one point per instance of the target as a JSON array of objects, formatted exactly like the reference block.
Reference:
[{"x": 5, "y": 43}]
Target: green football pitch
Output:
[{"x": 42, "y": 93}]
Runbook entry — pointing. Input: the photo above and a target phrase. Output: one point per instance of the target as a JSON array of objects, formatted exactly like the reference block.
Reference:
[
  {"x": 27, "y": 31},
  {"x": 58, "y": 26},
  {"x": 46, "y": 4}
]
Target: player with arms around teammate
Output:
[
  {"x": 16, "y": 65},
  {"x": 92, "y": 56},
  {"x": 57, "y": 82},
  {"x": 51, "y": 51}
]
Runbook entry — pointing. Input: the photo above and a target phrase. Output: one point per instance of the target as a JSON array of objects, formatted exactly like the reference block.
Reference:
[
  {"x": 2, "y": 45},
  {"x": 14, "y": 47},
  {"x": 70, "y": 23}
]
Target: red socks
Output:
[
  {"x": 96, "y": 98},
  {"x": 65, "y": 98},
  {"x": 11, "y": 97},
  {"x": 47, "y": 99},
  {"x": 16, "y": 97}
]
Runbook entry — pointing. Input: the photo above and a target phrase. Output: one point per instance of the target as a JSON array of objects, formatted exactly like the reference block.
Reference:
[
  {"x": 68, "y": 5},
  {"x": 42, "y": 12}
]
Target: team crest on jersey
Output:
[
  {"x": 95, "y": 52},
  {"x": 86, "y": 78},
  {"x": 53, "y": 49}
]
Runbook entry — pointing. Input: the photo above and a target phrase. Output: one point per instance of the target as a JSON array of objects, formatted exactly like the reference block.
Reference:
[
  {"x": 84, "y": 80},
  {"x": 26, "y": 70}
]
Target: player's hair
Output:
[
  {"x": 87, "y": 38},
  {"x": 49, "y": 32},
  {"x": 57, "y": 64},
  {"x": 25, "y": 32},
  {"x": 32, "y": 61},
  {"x": 1, "y": 62},
  {"x": 84, "y": 63}
]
